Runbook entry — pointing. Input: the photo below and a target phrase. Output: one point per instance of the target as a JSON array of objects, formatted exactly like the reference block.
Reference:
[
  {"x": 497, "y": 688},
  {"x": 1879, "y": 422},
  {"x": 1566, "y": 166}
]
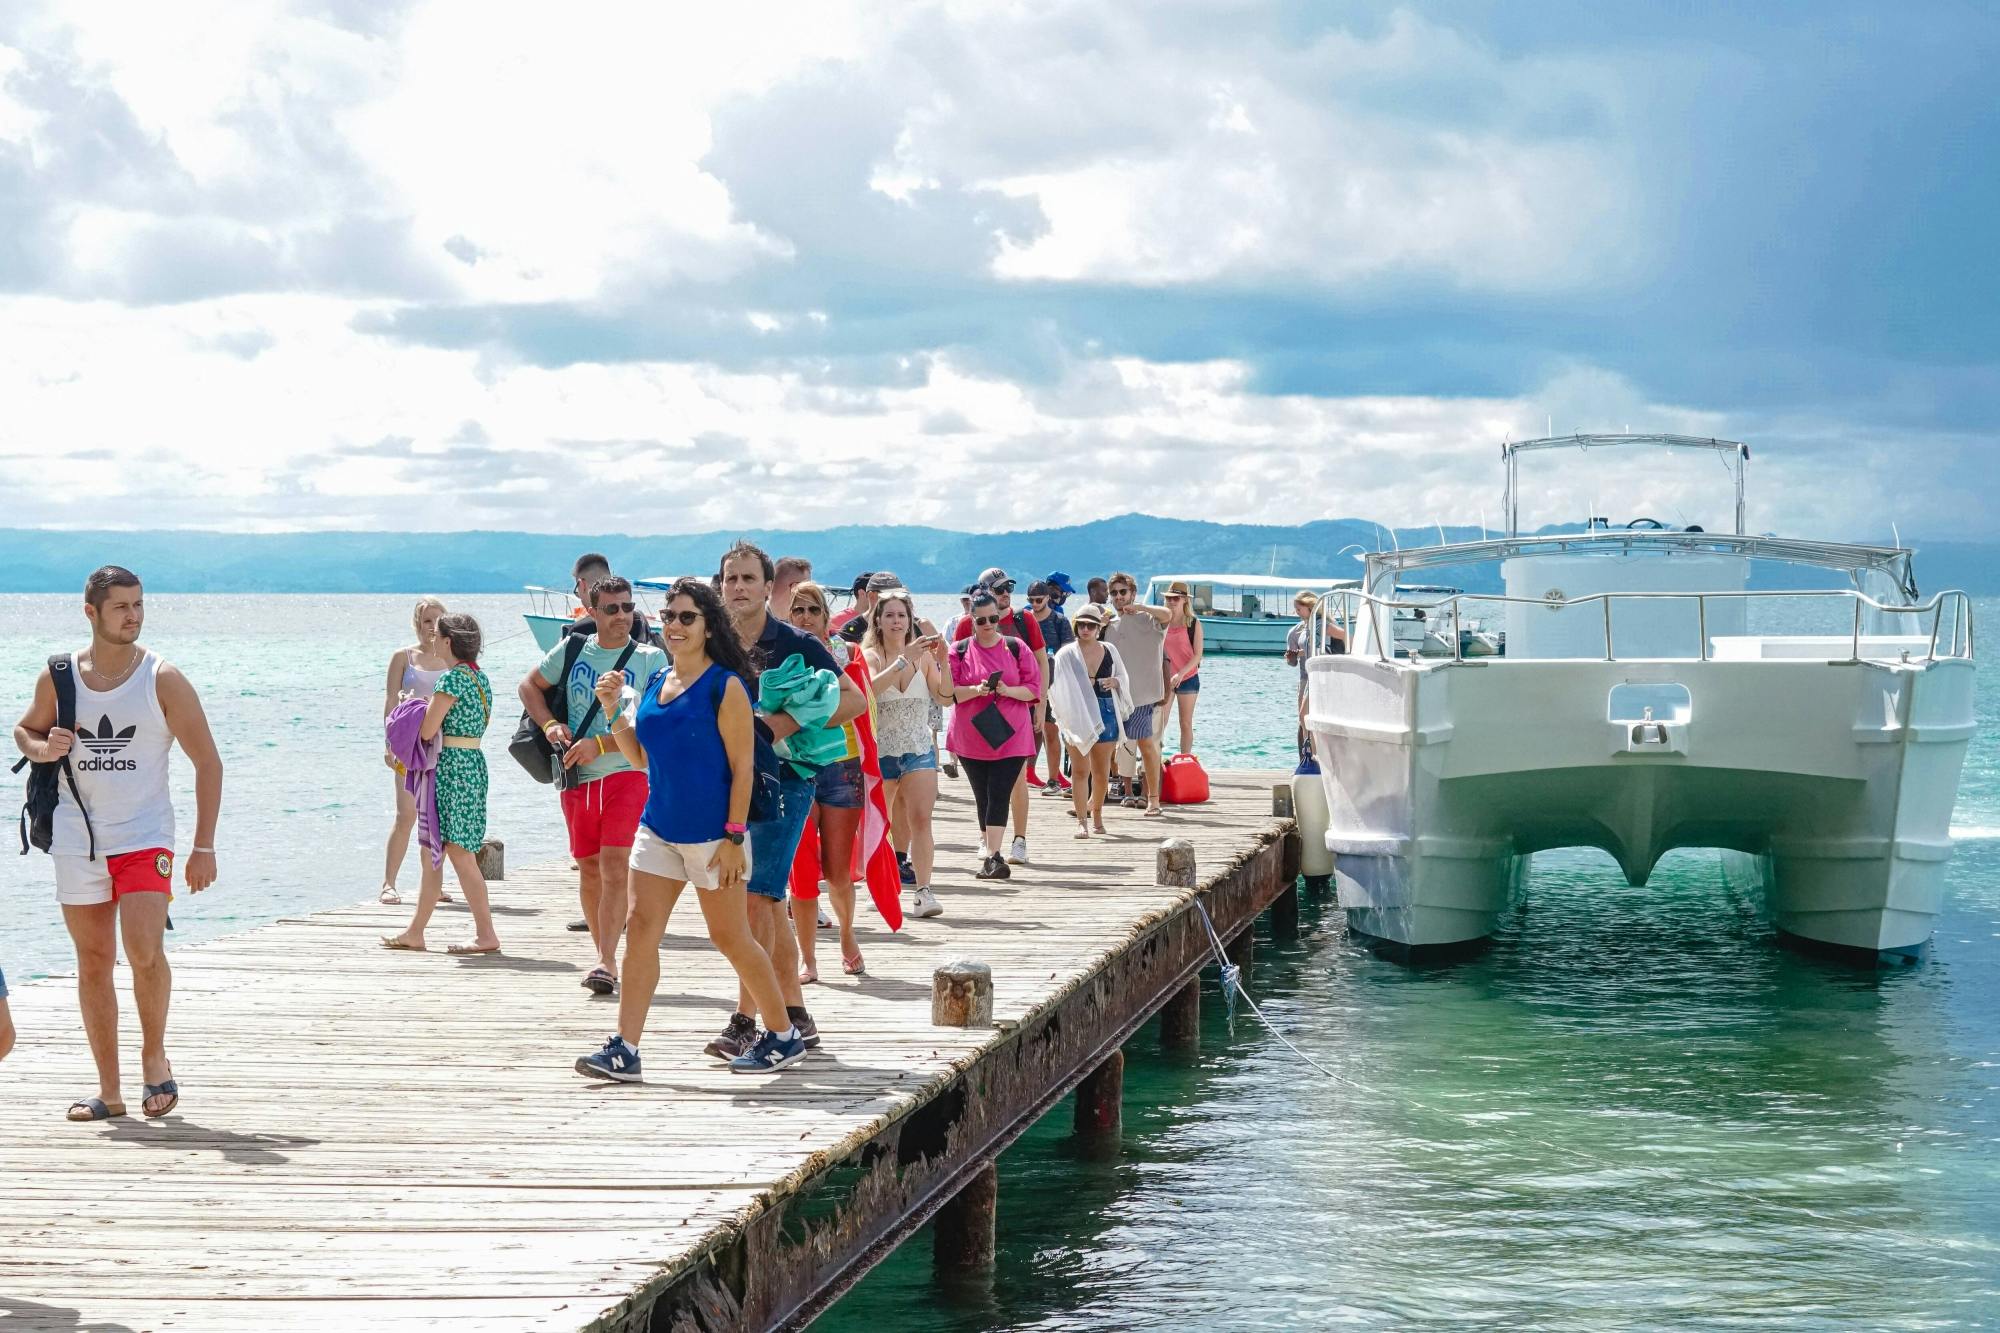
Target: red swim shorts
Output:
[
  {"x": 604, "y": 813},
  {"x": 82, "y": 882}
]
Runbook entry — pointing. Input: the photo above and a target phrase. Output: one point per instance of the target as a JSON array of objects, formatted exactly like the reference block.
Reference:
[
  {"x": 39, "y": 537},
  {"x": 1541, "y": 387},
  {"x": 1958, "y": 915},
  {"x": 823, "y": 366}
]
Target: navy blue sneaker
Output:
[
  {"x": 769, "y": 1055},
  {"x": 904, "y": 869},
  {"x": 617, "y": 1062}
]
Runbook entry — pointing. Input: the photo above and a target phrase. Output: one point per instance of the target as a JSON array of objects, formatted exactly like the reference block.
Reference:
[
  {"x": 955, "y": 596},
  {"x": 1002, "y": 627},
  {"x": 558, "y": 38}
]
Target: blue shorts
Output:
[
  {"x": 774, "y": 842},
  {"x": 896, "y": 766},
  {"x": 839, "y": 785},
  {"x": 1107, "y": 713},
  {"x": 1192, "y": 685},
  {"x": 3, "y": 985},
  {"x": 1139, "y": 726}
]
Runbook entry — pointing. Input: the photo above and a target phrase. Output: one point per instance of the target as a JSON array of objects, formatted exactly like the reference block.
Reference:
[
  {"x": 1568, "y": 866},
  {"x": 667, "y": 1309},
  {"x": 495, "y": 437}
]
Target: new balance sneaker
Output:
[
  {"x": 770, "y": 1054},
  {"x": 803, "y": 1021},
  {"x": 737, "y": 1038},
  {"x": 616, "y": 1063},
  {"x": 924, "y": 903},
  {"x": 906, "y": 871},
  {"x": 1018, "y": 853}
]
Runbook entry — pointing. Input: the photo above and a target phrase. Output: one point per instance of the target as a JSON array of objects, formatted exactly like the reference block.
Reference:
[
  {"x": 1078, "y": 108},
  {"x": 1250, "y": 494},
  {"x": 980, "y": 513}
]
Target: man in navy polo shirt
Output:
[{"x": 744, "y": 580}]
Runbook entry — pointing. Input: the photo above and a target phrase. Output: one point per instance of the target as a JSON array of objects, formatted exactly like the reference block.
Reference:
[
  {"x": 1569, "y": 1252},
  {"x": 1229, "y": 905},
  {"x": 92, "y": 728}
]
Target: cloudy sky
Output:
[{"x": 658, "y": 268}]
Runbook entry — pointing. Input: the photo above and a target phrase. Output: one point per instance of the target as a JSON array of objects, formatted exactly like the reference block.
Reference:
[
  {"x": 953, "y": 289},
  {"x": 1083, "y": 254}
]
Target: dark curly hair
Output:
[{"x": 724, "y": 648}]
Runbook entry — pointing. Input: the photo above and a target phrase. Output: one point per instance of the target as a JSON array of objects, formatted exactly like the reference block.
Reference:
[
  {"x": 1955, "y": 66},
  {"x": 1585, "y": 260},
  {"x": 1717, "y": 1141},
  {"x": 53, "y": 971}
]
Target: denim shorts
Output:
[
  {"x": 1192, "y": 685},
  {"x": 839, "y": 785},
  {"x": 774, "y": 842},
  {"x": 1139, "y": 726},
  {"x": 896, "y": 766},
  {"x": 1107, "y": 713}
]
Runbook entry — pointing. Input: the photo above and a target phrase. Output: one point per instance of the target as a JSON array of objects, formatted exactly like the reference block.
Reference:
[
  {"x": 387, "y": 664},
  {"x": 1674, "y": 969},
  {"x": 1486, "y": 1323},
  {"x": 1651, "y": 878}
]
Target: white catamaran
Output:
[{"x": 1636, "y": 709}]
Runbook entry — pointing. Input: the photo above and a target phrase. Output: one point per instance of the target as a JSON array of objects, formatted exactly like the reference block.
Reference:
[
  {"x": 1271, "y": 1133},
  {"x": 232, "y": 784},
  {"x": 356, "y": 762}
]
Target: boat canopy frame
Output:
[
  {"x": 1735, "y": 456},
  {"x": 1891, "y": 563}
]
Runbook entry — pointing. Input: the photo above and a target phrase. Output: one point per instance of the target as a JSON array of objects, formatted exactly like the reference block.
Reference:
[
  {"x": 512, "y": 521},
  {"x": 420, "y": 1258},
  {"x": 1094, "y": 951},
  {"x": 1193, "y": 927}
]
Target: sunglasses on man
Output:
[{"x": 617, "y": 608}]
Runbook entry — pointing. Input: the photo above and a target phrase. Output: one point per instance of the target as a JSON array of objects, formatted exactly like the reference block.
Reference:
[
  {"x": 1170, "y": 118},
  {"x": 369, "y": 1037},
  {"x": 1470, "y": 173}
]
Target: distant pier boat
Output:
[
  {"x": 552, "y": 610},
  {"x": 1243, "y": 613},
  {"x": 1646, "y": 698}
]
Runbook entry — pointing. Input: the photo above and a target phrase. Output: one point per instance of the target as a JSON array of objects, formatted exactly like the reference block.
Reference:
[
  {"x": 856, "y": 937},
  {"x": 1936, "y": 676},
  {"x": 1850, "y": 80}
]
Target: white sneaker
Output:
[
  {"x": 1018, "y": 853},
  {"x": 825, "y": 922},
  {"x": 924, "y": 903}
]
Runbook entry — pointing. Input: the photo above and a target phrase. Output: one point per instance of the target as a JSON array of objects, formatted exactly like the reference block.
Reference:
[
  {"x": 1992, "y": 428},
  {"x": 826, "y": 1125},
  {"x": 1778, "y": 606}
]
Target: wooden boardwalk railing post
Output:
[{"x": 962, "y": 995}]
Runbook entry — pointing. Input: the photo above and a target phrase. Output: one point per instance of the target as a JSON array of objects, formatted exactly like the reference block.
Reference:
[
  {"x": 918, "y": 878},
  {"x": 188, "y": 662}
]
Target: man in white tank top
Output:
[{"x": 114, "y": 858}]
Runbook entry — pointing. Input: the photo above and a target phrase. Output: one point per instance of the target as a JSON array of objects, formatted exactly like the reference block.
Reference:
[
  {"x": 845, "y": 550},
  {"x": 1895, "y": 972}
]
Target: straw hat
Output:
[{"x": 1092, "y": 612}]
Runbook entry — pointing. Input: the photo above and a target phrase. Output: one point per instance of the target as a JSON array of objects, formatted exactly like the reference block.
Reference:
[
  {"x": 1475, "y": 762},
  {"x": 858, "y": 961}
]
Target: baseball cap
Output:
[
  {"x": 882, "y": 580},
  {"x": 1060, "y": 581},
  {"x": 993, "y": 577},
  {"x": 861, "y": 580}
]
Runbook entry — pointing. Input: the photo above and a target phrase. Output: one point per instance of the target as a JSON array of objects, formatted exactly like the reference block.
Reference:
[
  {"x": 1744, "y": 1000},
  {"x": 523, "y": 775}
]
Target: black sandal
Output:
[
  {"x": 93, "y": 1108},
  {"x": 600, "y": 982}
]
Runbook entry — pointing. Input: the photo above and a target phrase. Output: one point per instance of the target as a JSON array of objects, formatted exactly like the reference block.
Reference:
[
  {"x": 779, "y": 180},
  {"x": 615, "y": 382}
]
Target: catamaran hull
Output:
[{"x": 1838, "y": 778}]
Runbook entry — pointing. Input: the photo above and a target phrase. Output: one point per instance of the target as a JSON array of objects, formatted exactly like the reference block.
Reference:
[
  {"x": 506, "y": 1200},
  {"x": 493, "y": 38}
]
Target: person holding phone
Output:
[
  {"x": 908, "y": 668},
  {"x": 690, "y": 729},
  {"x": 995, "y": 681}
]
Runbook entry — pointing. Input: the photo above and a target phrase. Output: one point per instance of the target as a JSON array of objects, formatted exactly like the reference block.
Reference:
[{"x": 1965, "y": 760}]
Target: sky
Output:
[{"x": 360, "y": 264}]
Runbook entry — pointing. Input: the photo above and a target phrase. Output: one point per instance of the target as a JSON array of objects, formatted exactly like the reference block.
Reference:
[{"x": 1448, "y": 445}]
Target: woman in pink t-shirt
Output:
[{"x": 994, "y": 679}]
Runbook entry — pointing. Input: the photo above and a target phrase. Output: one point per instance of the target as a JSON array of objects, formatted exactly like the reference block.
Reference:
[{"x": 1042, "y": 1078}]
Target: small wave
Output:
[{"x": 1975, "y": 832}]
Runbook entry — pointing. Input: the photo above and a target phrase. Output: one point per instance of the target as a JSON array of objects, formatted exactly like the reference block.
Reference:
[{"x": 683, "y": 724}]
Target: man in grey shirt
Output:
[{"x": 1139, "y": 633}]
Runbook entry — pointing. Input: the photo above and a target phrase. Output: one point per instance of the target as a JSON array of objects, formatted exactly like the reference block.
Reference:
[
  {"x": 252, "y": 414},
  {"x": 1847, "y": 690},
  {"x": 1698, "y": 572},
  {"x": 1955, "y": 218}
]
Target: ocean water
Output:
[{"x": 1633, "y": 1110}]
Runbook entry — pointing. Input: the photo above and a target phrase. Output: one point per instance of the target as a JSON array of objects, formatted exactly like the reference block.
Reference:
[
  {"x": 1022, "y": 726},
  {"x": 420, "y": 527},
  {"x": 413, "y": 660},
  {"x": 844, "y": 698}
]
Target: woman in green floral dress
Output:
[{"x": 461, "y": 707}]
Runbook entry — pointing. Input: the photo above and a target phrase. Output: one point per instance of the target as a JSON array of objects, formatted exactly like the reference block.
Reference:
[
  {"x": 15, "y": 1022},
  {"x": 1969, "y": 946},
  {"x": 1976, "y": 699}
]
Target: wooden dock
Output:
[{"x": 378, "y": 1140}]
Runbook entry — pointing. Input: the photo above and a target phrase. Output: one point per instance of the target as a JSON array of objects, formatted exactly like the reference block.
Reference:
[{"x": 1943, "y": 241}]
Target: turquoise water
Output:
[{"x": 1632, "y": 1110}]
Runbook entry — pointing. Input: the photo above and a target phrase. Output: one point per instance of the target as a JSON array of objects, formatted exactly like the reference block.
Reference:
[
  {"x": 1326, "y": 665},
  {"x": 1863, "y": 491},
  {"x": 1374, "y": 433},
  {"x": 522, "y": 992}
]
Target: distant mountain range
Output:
[{"x": 928, "y": 559}]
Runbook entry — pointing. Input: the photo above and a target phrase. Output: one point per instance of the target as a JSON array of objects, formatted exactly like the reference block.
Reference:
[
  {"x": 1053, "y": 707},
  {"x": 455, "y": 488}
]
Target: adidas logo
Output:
[{"x": 104, "y": 740}]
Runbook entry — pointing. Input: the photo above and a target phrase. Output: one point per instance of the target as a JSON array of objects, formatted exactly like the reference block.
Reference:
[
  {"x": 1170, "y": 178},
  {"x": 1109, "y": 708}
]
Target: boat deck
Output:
[{"x": 381, "y": 1140}]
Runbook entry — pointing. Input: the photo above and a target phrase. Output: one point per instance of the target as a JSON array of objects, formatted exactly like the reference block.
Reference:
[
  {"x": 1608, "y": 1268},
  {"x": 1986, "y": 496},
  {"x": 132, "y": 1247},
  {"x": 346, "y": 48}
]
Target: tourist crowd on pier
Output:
[{"x": 779, "y": 754}]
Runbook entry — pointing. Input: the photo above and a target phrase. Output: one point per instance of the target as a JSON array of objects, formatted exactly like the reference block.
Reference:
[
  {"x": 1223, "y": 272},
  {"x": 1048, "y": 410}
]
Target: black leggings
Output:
[{"x": 992, "y": 786}]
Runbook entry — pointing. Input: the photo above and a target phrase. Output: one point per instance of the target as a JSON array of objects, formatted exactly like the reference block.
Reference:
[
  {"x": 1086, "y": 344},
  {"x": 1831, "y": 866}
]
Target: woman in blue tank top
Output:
[{"x": 691, "y": 733}]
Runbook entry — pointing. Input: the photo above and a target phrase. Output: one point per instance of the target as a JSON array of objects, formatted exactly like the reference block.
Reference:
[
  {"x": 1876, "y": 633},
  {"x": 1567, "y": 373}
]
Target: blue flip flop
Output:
[
  {"x": 93, "y": 1109},
  {"x": 169, "y": 1089}
]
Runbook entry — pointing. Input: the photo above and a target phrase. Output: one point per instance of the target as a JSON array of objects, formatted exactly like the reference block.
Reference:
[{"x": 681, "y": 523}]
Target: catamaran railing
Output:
[{"x": 1353, "y": 601}]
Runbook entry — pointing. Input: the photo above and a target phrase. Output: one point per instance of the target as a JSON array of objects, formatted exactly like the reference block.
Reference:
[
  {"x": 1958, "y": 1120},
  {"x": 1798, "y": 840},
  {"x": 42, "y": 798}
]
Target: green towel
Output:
[{"x": 809, "y": 697}]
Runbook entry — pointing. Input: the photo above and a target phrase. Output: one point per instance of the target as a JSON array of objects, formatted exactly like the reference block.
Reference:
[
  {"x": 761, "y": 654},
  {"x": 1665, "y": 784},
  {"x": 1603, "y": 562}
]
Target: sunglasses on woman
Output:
[
  {"x": 986, "y": 620},
  {"x": 810, "y": 608},
  {"x": 684, "y": 617},
  {"x": 1083, "y": 625}
]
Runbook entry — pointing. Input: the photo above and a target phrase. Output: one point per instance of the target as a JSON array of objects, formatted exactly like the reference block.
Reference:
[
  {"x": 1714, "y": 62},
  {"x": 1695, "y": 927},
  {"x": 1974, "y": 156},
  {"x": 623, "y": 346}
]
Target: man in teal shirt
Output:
[{"x": 602, "y": 794}]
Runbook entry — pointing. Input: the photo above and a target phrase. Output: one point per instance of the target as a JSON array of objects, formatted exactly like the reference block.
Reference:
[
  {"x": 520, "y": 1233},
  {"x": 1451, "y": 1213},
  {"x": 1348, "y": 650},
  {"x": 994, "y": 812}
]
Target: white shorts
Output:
[
  {"x": 685, "y": 861},
  {"x": 82, "y": 882}
]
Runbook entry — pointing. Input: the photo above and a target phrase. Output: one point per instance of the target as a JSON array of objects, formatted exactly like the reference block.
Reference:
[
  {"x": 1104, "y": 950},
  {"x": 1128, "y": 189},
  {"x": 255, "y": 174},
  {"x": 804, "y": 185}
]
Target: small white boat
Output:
[
  {"x": 1637, "y": 710},
  {"x": 1243, "y": 613},
  {"x": 552, "y": 610}
]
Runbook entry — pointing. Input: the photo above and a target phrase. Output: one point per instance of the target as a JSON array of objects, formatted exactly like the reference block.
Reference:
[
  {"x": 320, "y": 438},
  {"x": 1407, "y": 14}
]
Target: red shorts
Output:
[
  {"x": 82, "y": 882},
  {"x": 604, "y": 813}
]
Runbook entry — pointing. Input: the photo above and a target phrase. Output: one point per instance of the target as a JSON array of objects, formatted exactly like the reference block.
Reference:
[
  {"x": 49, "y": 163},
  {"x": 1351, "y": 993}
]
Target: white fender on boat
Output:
[{"x": 1310, "y": 810}]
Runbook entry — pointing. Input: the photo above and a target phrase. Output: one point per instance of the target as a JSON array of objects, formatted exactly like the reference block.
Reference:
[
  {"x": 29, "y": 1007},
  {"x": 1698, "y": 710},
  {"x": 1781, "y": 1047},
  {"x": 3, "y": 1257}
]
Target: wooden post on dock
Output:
[
  {"x": 963, "y": 1235},
  {"x": 1175, "y": 866},
  {"x": 962, "y": 995},
  {"x": 1100, "y": 1099},
  {"x": 1180, "y": 1018},
  {"x": 492, "y": 858},
  {"x": 1281, "y": 801}
]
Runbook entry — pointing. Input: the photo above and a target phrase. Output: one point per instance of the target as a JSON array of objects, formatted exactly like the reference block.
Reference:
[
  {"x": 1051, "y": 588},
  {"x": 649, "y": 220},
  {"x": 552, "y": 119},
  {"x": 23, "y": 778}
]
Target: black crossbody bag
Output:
[{"x": 531, "y": 746}]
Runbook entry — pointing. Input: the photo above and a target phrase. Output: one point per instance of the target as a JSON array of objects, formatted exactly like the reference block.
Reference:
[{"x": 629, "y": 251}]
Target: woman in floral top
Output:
[{"x": 461, "y": 707}]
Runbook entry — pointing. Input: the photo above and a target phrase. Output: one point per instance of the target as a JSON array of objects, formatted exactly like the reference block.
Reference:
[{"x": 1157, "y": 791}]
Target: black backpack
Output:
[{"x": 38, "y": 812}]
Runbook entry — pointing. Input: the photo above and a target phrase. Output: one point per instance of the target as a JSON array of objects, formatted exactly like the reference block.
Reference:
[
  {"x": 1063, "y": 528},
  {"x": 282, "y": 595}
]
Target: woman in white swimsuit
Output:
[{"x": 413, "y": 671}]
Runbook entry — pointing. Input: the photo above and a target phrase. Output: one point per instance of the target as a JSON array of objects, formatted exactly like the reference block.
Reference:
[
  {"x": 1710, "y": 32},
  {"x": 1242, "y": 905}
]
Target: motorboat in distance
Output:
[{"x": 1648, "y": 698}]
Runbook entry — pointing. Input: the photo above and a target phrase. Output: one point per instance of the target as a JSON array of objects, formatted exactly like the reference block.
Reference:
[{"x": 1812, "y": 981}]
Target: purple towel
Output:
[{"x": 403, "y": 729}]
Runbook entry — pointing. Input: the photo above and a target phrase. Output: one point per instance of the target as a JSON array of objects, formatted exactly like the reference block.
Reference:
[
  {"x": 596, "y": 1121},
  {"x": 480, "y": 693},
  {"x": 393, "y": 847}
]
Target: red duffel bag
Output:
[{"x": 1184, "y": 782}]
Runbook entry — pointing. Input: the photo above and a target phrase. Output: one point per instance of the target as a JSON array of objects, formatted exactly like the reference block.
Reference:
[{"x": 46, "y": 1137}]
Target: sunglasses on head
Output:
[
  {"x": 684, "y": 617},
  {"x": 617, "y": 608},
  {"x": 986, "y": 620}
]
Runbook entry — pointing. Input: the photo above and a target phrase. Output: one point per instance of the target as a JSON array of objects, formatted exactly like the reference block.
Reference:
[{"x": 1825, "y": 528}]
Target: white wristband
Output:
[{"x": 209, "y": 850}]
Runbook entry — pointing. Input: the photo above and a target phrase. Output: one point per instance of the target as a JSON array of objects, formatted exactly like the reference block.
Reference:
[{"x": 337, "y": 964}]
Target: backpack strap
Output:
[{"x": 62, "y": 675}]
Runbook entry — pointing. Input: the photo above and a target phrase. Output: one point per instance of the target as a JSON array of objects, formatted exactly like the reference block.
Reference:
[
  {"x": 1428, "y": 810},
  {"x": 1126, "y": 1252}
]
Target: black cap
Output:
[{"x": 861, "y": 580}]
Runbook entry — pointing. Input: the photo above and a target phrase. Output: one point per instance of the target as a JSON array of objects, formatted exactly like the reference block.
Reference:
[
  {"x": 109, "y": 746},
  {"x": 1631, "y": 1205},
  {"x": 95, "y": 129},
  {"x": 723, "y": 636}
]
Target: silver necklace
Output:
[{"x": 137, "y": 657}]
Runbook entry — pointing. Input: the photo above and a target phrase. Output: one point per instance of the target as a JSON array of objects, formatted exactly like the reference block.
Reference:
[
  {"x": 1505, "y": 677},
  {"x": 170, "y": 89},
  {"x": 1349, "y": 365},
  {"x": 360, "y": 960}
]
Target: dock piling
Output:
[
  {"x": 492, "y": 858},
  {"x": 1175, "y": 868},
  {"x": 1100, "y": 1099},
  {"x": 1243, "y": 949},
  {"x": 1180, "y": 1018},
  {"x": 1282, "y": 805},
  {"x": 964, "y": 1233},
  {"x": 962, "y": 995}
]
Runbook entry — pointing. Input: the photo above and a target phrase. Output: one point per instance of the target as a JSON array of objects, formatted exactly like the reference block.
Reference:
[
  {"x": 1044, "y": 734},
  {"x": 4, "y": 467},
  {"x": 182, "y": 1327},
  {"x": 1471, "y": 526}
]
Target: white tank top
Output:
[{"x": 120, "y": 761}]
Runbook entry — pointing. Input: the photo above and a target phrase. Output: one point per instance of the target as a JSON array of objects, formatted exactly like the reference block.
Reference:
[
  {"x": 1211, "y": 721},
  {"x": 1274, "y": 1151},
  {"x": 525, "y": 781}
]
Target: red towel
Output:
[{"x": 874, "y": 855}]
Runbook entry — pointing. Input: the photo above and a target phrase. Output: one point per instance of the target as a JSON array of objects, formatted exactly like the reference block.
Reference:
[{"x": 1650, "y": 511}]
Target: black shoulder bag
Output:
[
  {"x": 531, "y": 747},
  {"x": 38, "y": 812}
]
